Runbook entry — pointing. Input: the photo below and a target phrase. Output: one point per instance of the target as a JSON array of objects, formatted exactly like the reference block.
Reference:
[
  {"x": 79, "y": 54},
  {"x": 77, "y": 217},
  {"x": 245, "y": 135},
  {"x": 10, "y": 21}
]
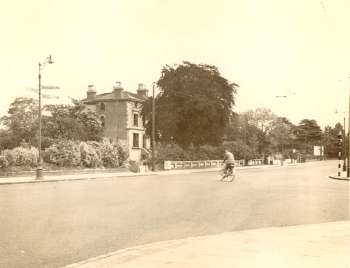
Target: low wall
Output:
[{"x": 198, "y": 164}]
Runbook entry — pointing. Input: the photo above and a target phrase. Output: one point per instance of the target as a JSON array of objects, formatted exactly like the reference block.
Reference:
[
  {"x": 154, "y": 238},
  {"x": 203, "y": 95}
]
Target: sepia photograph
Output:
[{"x": 180, "y": 134}]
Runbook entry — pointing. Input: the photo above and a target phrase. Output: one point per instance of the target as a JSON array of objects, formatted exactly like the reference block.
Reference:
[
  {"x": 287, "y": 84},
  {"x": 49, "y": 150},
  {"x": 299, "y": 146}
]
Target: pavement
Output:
[
  {"x": 314, "y": 245},
  {"x": 49, "y": 177},
  {"x": 343, "y": 176}
]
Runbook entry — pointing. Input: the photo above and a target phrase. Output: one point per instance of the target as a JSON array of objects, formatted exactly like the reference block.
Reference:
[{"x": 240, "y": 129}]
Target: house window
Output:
[
  {"x": 103, "y": 121},
  {"x": 102, "y": 107},
  {"x": 136, "y": 120},
  {"x": 144, "y": 141},
  {"x": 135, "y": 140}
]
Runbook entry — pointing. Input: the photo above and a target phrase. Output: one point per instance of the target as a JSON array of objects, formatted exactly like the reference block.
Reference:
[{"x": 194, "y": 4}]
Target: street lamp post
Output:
[
  {"x": 344, "y": 147},
  {"x": 153, "y": 128},
  {"x": 39, "y": 170},
  {"x": 348, "y": 167}
]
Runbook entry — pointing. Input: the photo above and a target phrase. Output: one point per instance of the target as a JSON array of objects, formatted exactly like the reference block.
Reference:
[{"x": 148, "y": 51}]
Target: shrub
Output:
[
  {"x": 90, "y": 154},
  {"x": 209, "y": 152},
  {"x": 241, "y": 150},
  {"x": 146, "y": 156},
  {"x": 171, "y": 152},
  {"x": 134, "y": 166},
  {"x": 122, "y": 153},
  {"x": 4, "y": 163},
  {"x": 47, "y": 142},
  {"x": 7, "y": 157},
  {"x": 64, "y": 153},
  {"x": 109, "y": 154},
  {"x": 20, "y": 156}
]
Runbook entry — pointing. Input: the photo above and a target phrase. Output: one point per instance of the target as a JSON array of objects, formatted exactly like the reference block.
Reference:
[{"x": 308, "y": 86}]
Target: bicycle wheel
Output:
[{"x": 231, "y": 177}]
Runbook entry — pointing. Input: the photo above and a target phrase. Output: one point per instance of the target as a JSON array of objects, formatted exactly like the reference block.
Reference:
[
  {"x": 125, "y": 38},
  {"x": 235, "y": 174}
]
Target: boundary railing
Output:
[
  {"x": 255, "y": 162},
  {"x": 198, "y": 164}
]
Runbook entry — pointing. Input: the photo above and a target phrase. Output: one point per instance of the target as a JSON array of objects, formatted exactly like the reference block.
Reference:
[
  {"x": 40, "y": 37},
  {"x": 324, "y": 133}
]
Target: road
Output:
[{"x": 55, "y": 224}]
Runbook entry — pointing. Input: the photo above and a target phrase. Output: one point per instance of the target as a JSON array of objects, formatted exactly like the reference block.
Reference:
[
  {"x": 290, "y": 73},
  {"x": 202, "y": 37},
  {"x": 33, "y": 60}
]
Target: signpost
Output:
[
  {"x": 50, "y": 87},
  {"x": 46, "y": 96}
]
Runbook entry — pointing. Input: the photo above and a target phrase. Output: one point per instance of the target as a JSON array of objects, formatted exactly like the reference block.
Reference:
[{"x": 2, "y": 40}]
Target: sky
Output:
[{"x": 294, "y": 48}]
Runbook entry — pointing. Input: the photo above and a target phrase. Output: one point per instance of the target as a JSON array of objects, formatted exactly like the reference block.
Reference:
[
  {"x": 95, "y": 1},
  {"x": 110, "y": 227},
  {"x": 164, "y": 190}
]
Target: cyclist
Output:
[{"x": 229, "y": 161}]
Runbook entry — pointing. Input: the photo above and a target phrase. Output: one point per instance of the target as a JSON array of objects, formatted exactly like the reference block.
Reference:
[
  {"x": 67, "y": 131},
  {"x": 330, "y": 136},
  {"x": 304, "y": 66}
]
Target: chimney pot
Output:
[
  {"x": 91, "y": 92},
  {"x": 117, "y": 89},
  {"x": 142, "y": 91}
]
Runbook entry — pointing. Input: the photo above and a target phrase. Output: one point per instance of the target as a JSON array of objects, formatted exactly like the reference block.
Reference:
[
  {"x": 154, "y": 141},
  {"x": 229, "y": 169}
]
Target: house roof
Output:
[{"x": 125, "y": 95}]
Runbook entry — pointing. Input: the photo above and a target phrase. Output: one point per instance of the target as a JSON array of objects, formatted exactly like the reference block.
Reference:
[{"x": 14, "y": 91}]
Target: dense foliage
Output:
[
  {"x": 19, "y": 156},
  {"x": 194, "y": 105},
  {"x": 258, "y": 134},
  {"x": 91, "y": 154},
  {"x": 71, "y": 122}
]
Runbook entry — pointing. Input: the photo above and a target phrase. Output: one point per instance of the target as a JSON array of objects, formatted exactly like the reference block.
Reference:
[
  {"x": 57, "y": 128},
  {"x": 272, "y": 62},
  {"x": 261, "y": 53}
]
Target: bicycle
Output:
[{"x": 228, "y": 173}]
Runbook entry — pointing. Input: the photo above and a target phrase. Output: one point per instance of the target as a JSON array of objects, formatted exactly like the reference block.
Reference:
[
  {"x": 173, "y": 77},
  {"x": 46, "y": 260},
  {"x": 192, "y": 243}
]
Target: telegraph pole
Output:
[
  {"x": 344, "y": 146},
  {"x": 153, "y": 128},
  {"x": 348, "y": 167},
  {"x": 39, "y": 170}
]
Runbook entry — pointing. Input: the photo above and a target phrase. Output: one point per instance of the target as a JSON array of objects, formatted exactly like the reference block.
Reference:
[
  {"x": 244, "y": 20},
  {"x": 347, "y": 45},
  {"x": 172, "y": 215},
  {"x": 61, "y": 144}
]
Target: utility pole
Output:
[
  {"x": 348, "y": 167},
  {"x": 153, "y": 128},
  {"x": 344, "y": 146},
  {"x": 39, "y": 170}
]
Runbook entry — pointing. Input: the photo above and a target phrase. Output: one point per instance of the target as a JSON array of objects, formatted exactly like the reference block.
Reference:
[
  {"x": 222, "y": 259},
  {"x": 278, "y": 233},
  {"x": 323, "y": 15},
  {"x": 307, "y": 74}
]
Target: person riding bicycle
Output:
[{"x": 229, "y": 161}]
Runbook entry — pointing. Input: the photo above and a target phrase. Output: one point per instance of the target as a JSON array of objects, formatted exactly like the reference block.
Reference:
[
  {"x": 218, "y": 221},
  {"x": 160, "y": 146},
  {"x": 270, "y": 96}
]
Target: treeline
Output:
[
  {"x": 195, "y": 108},
  {"x": 259, "y": 134},
  {"x": 72, "y": 136},
  {"x": 195, "y": 120}
]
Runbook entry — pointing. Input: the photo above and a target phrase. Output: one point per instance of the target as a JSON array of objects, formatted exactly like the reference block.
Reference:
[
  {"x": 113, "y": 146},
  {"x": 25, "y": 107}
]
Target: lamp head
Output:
[{"x": 49, "y": 59}]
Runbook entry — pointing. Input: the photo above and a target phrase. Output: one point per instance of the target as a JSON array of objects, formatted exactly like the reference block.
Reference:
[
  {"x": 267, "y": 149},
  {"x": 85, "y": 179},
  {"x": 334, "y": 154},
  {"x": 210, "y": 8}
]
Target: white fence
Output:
[
  {"x": 255, "y": 162},
  {"x": 197, "y": 164}
]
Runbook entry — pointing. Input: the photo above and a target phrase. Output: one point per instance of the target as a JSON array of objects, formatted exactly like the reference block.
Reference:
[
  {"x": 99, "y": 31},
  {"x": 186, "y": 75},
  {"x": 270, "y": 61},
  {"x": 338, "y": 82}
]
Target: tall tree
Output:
[
  {"x": 194, "y": 104},
  {"x": 72, "y": 122},
  {"x": 330, "y": 141},
  {"x": 308, "y": 134},
  {"x": 261, "y": 118},
  {"x": 281, "y": 135},
  {"x": 21, "y": 122},
  {"x": 243, "y": 134}
]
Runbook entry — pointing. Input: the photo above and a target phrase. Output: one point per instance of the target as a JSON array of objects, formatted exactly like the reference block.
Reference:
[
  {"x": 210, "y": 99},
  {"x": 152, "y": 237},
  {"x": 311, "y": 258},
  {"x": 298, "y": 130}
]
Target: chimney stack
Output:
[
  {"x": 117, "y": 89},
  {"x": 142, "y": 91},
  {"x": 91, "y": 92}
]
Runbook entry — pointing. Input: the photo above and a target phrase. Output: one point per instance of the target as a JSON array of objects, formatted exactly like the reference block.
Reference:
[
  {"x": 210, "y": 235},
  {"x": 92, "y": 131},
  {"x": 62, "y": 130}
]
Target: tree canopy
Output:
[
  {"x": 21, "y": 122},
  {"x": 308, "y": 133},
  {"x": 260, "y": 117},
  {"x": 58, "y": 121},
  {"x": 194, "y": 105},
  {"x": 281, "y": 134},
  {"x": 330, "y": 141}
]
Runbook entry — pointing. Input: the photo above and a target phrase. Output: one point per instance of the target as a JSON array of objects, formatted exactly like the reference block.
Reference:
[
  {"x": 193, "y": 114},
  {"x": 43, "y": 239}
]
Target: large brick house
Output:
[{"x": 120, "y": 114}]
